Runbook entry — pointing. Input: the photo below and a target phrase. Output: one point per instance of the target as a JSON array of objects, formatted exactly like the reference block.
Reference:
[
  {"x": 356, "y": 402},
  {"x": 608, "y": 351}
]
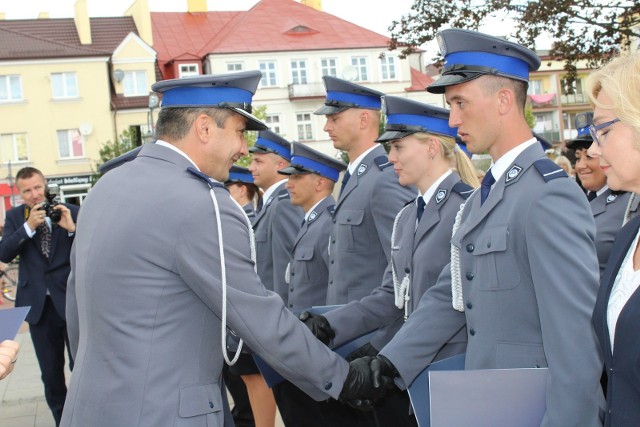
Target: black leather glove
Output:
[
  {"x": 382, "y": 372},
  {"x": 319, "y": 326},
  {"x": 365, "y": 350},
  {"x": 358, "y": 390}
]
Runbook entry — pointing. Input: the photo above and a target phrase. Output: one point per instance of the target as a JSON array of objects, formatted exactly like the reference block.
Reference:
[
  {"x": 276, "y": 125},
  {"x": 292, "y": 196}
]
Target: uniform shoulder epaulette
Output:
[
  {"x": 549, "y": 170},
  {"x": 283, "y": 194},
  {"x": 463, "y": 189},
  {"x": 409, "y": 202},
  {"x": 331, "y": 209},
  {"x": 204, "y": 178},
  {"x": 382, "y": 162}
]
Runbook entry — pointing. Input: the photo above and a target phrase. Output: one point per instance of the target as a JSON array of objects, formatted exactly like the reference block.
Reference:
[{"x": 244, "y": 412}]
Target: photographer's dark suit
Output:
[{"x": 42, "y": 284}]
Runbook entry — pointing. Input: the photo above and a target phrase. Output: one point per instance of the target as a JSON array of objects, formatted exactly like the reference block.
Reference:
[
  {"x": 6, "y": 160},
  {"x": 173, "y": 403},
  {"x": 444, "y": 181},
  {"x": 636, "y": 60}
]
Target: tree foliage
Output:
[
  {"x": 589, "y": 30},
  {"x": 110, "y": 150},
  {"x": 261, "y": 113}
]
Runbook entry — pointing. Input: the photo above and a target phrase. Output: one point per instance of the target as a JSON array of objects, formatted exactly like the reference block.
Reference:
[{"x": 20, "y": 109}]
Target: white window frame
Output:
[
  {"x": 304, "y": 126},
  {"x": 389, "y": 66},
  {"x": 535, "y": 87},
  {"x": 8, "y": 88},
  {"x": 361, "y": 65},
  {"x": 10, "y": 142},
  {"x": 67, "y": 90},
  {"x": 132, "y": 86},
  {"x": 188, "y": 70},
  {"x": 270, "y": 67},
  {"x": 327, "y": 69},
  {"x": 235, "y": 66},
  {"x": 299, "y": 72},
  {"x": 274, "y": 122},
  {"x": 69, "y": 134}
]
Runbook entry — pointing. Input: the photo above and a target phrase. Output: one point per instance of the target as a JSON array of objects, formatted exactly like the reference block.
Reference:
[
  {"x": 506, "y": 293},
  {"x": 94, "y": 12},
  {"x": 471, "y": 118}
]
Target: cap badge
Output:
[
  {"x": 441, "y": 45},
  {"x": 362, "y": 169},
  {"x": 312, "y": 216},
  {"x": 513, "y": 173},
  {"x": 440, "y": 195},
  {"x": 611, "y": 198}
]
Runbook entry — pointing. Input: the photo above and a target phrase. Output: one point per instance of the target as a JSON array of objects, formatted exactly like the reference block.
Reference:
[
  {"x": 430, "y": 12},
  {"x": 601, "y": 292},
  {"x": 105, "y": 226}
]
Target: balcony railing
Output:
[
  {"x": 574, "y": 98},
  {"x": 308, "y": 90},
  {"x": 550, "y": 135}
]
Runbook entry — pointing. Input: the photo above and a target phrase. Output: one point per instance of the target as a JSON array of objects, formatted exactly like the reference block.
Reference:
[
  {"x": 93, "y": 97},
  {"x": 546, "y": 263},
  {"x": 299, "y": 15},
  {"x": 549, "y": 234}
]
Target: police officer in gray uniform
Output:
[
  {"x": 242, "y": 188},
  {"x": 311, "y": 180},
  {"x": 519, "y": 311},
  {"x": 607, "y": 206}
]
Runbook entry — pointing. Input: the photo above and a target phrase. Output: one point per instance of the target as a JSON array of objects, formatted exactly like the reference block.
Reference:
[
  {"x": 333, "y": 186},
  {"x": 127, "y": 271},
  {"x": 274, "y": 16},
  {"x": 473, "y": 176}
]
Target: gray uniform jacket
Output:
[
  {"x": 250, "y": 211},
  {"x": 520, "y": 310},
  {"x": 276, "y": 226},
  {"x": 309, "y": 265},
  {"x": 608, "y": 211},
  {"x": 360, "y": 244},
  {"x": 144, "y": 303},
  {"x": 419, "y": 255}
]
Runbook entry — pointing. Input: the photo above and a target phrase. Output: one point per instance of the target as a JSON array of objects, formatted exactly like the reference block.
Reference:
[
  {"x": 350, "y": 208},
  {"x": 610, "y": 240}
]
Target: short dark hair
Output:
[
  {"x": 175, "y": 123},
  {"x": 495, "y": 83},
  {"x": 28, "y": 172}
]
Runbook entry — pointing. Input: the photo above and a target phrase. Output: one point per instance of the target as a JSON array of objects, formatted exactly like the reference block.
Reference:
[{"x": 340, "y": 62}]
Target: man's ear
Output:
[
  {"x": 506, "y": 100},
  {"x": 202, "y": 125}
]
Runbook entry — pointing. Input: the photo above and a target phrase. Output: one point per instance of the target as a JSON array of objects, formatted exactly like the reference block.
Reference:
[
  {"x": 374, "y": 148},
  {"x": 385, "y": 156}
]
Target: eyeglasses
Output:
[{"x": 593, "y": 130}]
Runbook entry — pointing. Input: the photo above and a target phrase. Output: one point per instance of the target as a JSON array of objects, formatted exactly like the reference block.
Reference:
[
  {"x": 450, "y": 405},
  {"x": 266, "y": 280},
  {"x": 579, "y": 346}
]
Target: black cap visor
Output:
[
  {"x": 326, "y": 110},
  {"x": 392, "y": 135},
  {"x": 584, "y": 142},
  {"x": 294, "y": 170},
  {"x": 253, "y": 123},
  {"x": 452, "y": 79}
]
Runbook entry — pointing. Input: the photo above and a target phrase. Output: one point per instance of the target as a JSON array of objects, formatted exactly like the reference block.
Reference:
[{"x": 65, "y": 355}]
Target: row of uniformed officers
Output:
[{"x": 414, "y": 248}]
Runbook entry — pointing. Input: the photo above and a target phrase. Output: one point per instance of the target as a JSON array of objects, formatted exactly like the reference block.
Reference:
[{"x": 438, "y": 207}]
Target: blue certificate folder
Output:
[
  {"x": 478, "y": 398},
  {"x": 273, "y": 378},
  {"x": 10, "y": 321}
]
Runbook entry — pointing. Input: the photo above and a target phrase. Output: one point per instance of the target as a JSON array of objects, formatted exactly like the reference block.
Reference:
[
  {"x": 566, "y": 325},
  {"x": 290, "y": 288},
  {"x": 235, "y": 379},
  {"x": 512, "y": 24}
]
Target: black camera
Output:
[{"x": 51, "y": 194}]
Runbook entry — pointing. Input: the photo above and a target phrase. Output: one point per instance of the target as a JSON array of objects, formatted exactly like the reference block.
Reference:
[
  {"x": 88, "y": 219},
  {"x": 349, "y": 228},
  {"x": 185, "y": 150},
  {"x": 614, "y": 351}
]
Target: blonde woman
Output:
[{"x": 615, "y": 92}]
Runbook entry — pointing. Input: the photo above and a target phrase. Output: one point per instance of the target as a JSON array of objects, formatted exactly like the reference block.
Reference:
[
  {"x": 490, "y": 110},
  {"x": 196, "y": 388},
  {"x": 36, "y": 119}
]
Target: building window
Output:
[
  {"x": 360, "y": 64},
  {"x": 14, "y": 147},
  {"x": 234, "y": 66},
  {"x": 273, "y": 121},
  {"x": 573, "y": 93},
  {"x": 268, "y": 69},
  {"x": 70, "y": 144},
  {"x": 299, "y": 71},
  {"x": 10, "y": 88},
  {"x": 388, "y": 64},
  {"x": 548, "y": 125},
  {"x": 64, "y": 85},
  {"x": 329, "y": 67},
  {"x": 187, "y": 70},
  {"x": 535, "y": 87},
  {"x": 135, "y": 83},
  {"x": 305, "y": 128}
]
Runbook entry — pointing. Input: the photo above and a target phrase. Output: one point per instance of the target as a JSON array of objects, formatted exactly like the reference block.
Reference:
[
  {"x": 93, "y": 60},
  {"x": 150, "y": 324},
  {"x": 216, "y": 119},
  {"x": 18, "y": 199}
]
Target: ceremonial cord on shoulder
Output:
[
  {"x": 400, "y": 289},
  {"x": 456, "y": 279},
  {"x": 627, "y": 212}
]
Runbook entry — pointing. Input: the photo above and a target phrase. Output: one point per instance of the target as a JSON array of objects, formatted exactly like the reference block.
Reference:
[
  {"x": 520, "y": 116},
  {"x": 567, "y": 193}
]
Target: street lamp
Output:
[{"x": 153, "y": 104}]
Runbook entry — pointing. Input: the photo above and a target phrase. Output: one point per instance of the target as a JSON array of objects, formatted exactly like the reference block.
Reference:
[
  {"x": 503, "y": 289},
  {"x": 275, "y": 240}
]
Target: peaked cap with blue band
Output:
[
  {"x": 584, "y": 139},
  {"x": 470, "y": 54},
  {"x": 406, "y": 117},
  {"x": 233, "y": 91},
  {"x": 240, "y": 175},
  {"x": 342, "y": 95},
  {"x": 307, "y": 160},
  {"x": 271, "y": 142}
]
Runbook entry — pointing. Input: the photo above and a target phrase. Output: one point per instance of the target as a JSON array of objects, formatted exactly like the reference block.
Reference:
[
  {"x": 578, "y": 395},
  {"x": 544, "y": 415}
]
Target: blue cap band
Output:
[
  {"x": 240, "y": 177},
  {"x": 505, "y": 64},
  {"x": 432, "y": 124},
  {"x": 317, "y": 167},
  {"x": 582, "y": 132},
  {"x": 204, "y": 96},
  {"x": 273, "y": 146},
  {"x": 362, "y": 101}
]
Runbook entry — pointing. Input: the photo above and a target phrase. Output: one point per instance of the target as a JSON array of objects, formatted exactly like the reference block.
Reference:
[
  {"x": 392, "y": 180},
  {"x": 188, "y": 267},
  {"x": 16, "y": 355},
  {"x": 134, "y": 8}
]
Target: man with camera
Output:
[{"x": 41, "y": 232}]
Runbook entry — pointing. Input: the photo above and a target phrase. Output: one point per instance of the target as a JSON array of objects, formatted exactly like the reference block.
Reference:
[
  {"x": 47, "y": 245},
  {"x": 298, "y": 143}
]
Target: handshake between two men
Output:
[{"x": 370, "y": 374}]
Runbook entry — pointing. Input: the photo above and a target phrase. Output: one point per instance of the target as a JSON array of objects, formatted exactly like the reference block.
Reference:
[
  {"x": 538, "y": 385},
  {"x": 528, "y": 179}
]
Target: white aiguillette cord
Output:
[{"x": 223, "y": 270}]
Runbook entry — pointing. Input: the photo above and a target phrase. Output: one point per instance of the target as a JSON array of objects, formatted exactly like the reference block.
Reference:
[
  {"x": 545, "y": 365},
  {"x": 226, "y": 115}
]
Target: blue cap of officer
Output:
[
  {"x": 406, "y": 117},
  {"x": 470, "y": 54},
  {"x": 240, "y": 175},
  {"x": 584, "y": 139},
  {"x": 307, "y": 160},
  {"x": 271, "y": 142},
  {"x": 233, "y": 91},
  {"x": 342, "y": 95}
]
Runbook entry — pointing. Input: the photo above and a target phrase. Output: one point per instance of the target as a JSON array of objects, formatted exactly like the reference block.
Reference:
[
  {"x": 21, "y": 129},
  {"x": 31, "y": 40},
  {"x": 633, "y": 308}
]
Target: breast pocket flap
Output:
[
  {"x": 493, "y": 239},
  {"x": 303, "y": 254},
  {"x": 200, "y": 400},
  {"x": 351, "y": 217}
]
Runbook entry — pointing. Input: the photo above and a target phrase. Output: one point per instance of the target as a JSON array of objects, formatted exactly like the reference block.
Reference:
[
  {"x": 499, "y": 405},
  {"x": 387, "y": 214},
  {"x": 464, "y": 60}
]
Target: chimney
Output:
[
  {"x": 43, "y": 15},
  {"x": 81, "y": 18},
  {"x": 2, "y": 16},
  {"x": 194, "y": 6},
  {"x": 139, "y": 11},
  {"x": 316, "y": 4}
]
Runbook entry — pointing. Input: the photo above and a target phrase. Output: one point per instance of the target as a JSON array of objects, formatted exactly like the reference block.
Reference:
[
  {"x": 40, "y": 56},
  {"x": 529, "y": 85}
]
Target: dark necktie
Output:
[
  {"x": 345, "y": 179},
  {"x": 45, "y": 239},
  {"x": 591, "y": 195},
  {"x": 421, "y": 205},
  {"x": 485, "y": 187}
]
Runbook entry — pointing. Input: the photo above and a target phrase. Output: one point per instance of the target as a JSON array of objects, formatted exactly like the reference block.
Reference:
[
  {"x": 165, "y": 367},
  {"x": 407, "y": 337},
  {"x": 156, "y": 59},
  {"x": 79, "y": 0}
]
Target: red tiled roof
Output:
[{"x": 419, "y": 81}]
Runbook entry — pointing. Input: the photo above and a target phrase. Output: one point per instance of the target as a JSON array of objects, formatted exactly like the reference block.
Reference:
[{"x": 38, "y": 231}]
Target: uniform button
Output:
[
  {"x": 328, "y": 385},
  {"x": 331, "y": 261},
  {"x": 334, "y": 220},
  {"x": 291, "y": 290},
  {"x": 293, "y": 274},
  {"x": 331, "y": 282},
  {"x": 407, "y": 270},
  {"x": 470, "y": 247},
  {"x": 469, "y": 275},
  {"x": 489, "y": 244},
  {"x": 333, "y": 241},
  {"x": 472, "y": 332},
  {"x": 290, "y": 305},
  {"x": 210, "y": 404},
  {"x": 469, "y": 305}
]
